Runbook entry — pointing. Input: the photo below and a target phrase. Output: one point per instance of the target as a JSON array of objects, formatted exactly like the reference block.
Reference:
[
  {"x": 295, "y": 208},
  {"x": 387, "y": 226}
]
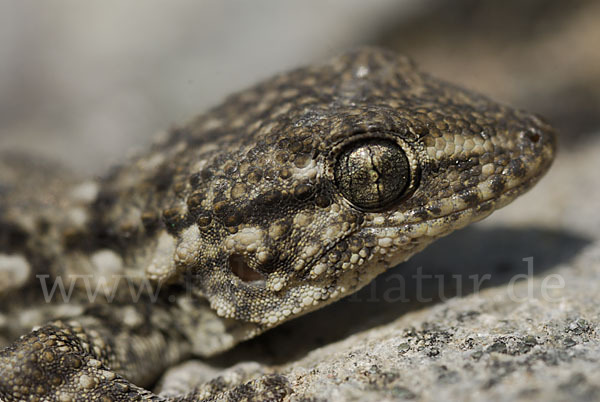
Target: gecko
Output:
[{"x": 284, "y": 198}]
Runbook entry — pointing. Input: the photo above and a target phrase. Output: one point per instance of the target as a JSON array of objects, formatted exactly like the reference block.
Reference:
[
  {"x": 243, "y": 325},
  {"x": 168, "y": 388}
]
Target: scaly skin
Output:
[{"x": 286, "y": 197}]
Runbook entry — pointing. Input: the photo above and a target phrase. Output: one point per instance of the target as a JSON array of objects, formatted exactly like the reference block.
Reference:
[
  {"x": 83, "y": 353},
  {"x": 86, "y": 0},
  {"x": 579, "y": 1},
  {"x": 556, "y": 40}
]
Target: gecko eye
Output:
[{"x": 372, "y": 174}]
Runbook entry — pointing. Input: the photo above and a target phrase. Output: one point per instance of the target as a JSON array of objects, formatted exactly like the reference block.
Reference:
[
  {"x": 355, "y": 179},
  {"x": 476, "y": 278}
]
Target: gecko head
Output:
[{"x": 328, "y": 176}]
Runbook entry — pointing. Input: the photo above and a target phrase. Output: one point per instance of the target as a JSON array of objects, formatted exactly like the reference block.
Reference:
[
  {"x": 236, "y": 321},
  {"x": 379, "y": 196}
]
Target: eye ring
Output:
[{"x": 373, "y": 173}]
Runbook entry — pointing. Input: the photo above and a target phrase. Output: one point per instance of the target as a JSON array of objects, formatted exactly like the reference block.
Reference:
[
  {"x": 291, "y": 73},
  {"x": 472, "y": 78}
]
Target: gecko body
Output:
[{"x": 284, "y": 198}]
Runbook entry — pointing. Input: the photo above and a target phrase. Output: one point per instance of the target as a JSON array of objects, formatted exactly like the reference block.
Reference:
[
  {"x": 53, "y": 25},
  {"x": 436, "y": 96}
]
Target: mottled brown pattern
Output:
[{"x": 253, "y": 214}]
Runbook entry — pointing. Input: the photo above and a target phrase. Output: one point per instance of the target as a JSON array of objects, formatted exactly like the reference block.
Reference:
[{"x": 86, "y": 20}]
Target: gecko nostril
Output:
[
  {"x": 242, "y": 270},
  {"x": 532, "y": 136}
]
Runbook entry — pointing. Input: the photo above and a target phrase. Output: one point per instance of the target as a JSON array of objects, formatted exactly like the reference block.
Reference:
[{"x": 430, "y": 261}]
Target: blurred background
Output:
[{"x": 86, "y": 82}]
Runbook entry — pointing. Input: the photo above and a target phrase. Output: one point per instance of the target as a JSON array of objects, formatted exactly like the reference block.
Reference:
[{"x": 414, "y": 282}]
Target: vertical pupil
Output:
[{"x": 372, "y": 174}]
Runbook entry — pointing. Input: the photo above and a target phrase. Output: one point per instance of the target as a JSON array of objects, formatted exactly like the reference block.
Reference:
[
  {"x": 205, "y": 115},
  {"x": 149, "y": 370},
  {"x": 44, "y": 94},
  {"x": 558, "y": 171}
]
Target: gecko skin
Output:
[{"x": 283, "y": 199}]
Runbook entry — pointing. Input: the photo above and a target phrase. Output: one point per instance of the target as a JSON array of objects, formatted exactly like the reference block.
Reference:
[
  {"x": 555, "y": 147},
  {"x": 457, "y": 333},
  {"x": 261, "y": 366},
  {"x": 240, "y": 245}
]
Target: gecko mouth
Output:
[{"x": 484, "y": 205}]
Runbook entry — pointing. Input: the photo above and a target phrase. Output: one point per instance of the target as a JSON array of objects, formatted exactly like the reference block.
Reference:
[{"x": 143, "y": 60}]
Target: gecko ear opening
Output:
[{"x": 242, "y": 270}]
